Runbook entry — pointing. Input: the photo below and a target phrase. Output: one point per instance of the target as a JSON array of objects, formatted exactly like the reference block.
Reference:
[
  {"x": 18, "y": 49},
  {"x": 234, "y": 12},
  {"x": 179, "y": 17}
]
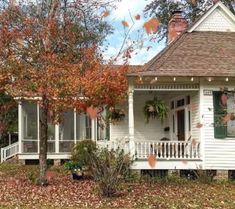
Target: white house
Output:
[{"x": 194, "y": 75}]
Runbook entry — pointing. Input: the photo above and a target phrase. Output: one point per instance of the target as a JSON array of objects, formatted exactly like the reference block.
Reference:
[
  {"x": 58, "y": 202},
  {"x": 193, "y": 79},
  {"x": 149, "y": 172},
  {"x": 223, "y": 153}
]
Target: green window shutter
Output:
[{"x": 220, "y": 129}]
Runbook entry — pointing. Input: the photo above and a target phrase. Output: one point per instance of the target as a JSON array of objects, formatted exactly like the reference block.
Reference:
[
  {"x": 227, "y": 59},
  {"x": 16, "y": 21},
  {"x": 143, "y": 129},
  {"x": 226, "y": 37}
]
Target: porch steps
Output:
[{"x": 9, "y": 151}]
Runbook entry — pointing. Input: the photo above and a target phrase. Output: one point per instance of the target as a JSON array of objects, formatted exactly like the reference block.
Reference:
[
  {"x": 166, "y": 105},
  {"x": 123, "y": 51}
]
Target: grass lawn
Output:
[{"x": 18, "y": 191}]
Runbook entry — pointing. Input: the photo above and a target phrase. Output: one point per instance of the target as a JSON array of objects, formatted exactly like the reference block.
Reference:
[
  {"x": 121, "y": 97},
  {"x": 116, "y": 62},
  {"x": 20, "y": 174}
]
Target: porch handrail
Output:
[
  {"x": 168, "y": 149},
  {"x": 9, "y": 151}
]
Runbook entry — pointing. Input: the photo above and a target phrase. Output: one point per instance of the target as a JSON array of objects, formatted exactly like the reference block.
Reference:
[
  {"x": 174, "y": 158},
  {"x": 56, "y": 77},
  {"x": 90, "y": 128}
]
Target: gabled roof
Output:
[
  {"x": 197, "y": 52},
  {"x": 224, "y": 13}
]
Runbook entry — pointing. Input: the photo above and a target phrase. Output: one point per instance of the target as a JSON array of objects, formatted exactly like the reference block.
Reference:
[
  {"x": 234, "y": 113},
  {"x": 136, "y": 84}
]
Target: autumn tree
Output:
[
  {"x": 192, "y": 9},
  {"x": 49, "y": 50},
  {"x": 8, "y": 116}
]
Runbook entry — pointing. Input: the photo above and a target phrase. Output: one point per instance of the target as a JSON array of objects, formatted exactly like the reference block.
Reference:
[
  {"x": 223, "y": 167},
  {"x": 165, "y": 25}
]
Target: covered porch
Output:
[
  {"x": 175, "y": 142},
  {"x": 61, "y": 137}
]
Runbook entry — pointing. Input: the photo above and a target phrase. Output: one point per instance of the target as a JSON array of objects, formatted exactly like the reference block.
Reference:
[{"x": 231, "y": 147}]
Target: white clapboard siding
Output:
[
  {"x": 218, "y": 20},
  {"x": 195, "y": 132},
  {"x": 218, "y": 153}
]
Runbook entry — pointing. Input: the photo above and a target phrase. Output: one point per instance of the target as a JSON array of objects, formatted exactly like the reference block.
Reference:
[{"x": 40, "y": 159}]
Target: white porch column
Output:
[
  {"x": 75, "y": 125},
  {"x": 38, "y": 125},
  {"x": 131, "y": 122},
  {"x": 93, "y": 129},
  {"x": 57, "y": 144},
  {"x": 20, "y": 131}
]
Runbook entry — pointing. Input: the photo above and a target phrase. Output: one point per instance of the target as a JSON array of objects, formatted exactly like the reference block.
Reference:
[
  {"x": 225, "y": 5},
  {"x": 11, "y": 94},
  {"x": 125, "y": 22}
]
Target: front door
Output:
[{"x": 181, "y": 125}]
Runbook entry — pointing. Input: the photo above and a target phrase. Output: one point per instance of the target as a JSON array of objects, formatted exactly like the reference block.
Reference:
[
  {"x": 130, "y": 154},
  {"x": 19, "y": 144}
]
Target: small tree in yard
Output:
[
  {"x": 109, "y": 168},
  {"x": 48, "y": 50}
]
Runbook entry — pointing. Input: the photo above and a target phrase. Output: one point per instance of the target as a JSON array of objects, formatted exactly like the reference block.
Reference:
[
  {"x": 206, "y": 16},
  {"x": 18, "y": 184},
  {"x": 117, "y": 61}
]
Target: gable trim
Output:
[{"x": 218, "y": 4}]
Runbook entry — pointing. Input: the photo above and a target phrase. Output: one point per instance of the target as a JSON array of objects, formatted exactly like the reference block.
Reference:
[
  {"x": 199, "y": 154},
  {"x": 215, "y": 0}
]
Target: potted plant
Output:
[
  {"x": 155, "y": 108},
  {"x": 75, "y": 168}
]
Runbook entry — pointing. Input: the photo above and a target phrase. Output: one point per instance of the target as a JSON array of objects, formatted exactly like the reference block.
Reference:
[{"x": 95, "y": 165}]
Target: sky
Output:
[{"x": 145, "y": 49}]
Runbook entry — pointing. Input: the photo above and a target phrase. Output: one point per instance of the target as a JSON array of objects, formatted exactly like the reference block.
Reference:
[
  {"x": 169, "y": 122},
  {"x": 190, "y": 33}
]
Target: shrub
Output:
[
  {"x": 82, "y": 151},
  {"x": 109, "y": 169}
]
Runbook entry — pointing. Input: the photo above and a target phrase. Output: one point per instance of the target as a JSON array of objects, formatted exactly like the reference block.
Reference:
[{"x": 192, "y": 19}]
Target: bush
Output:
[
  {"x": 82, "y": 151},
  {"x": 109, "y": 169}
]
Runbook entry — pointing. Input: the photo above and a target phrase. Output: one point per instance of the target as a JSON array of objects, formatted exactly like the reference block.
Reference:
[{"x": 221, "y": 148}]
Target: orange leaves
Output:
[
  {"x": 105, "y": 14},
  {"x": 125, "y": 24},
  {"x": 151, "y": 26},
  {"x": 226, "y": 118},
  {"x": 137, "y": 17},
  {"x": 199, "y": 125},
  {"x": 152, "y": 161},
  {"x": 224, "y": 99},
  {"x": 92, "y": 112}
]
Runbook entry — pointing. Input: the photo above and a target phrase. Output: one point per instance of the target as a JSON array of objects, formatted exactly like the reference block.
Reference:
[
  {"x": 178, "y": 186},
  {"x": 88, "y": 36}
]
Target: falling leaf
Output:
[
  {"x": 193, "y": 106},
  {"x": 153, "y": 81},
  {"x": 92, "y": 112},
  {"x": 152, "y": 160},
  {"x": 224, "y": 99},
  {"x": 151, "y": 26},
  {"x": 149, "y": 47},
  {"x": 137, "y": 17},
  {"x": 185, "y": 162},
  {"x": 194, "y": 142},
  {"x": 125, "y": 24},
  {"x": 199, "y": 125},
  {"x": 106, "y": 14},
  {"x": 226, "y": 118}
]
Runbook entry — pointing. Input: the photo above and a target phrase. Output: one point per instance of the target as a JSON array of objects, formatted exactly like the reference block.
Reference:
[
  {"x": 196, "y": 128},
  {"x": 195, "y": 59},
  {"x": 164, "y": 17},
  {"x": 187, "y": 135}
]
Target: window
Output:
[
  {"x": 224, "y": 111},
  {"x": 88, "y": 127},
  {"x": 172, "y": 105},
  {"x": 180, "y": 103},
  {"x": 187, "y": 100},
  {"x": 189, "y": 120},
  {"x": 173, "y": 122}
]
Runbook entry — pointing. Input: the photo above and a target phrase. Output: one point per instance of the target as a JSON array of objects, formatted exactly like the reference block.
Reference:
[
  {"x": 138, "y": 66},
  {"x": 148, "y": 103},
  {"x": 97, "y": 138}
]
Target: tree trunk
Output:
[{"x": 43, "y": 141}]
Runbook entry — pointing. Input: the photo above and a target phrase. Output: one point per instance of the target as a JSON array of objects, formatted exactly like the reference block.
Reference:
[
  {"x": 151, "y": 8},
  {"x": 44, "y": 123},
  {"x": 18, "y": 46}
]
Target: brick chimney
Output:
[
  {"x": 215, "y": 1},
  {"x": 176, "y": 26}
]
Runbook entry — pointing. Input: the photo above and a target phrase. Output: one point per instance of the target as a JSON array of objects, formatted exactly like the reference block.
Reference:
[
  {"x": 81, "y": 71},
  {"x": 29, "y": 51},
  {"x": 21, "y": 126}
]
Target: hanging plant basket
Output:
[
  {"x": 115, "y": 115},
  {"x": 155, "y": 108}
]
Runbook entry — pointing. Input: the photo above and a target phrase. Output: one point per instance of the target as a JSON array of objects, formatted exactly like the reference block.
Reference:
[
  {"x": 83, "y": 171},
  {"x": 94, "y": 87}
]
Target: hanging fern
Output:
[{"x": 155, "y": 109}]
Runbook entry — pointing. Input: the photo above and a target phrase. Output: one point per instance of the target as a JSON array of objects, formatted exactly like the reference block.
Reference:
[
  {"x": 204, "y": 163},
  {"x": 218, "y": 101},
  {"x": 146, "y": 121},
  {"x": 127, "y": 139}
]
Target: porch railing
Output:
[
  {"x": 114, "y": 145},
  {"x": 9, "y": 151},
  {"x": 168, "y": 150}
]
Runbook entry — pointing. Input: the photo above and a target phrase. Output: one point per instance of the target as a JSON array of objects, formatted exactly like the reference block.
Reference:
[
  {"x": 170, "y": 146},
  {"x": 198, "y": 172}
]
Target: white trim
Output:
[
  {"x": 131, "y": 122},
  {"x": 202, "y": 139},
  {"x": 167, "y": 87},
  {"x": 93, "y": 129},
  {"x": 186, "y": 108},
  {"x": 218, "y": 4},
  {"x": 38, "y": 125},
  {"x": 31, "y": 156},
  {"x": 75, "y": 125},
  {"x": 167, "y": 164},
  {"x": 57, "y": 143},
  {"x": 20, "y": 125}
]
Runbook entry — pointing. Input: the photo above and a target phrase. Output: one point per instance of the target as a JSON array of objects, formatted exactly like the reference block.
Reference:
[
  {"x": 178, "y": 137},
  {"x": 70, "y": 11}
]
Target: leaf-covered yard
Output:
[{"x": 17, "y": 191}]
